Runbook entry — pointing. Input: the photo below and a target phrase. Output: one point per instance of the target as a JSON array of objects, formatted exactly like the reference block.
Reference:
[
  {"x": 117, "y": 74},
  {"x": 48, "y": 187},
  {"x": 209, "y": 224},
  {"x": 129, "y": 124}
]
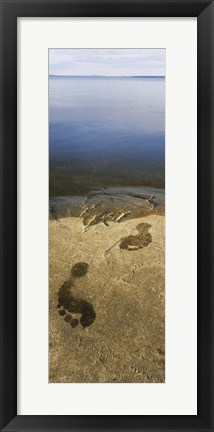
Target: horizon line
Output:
[{"x": 108, "y": 76}]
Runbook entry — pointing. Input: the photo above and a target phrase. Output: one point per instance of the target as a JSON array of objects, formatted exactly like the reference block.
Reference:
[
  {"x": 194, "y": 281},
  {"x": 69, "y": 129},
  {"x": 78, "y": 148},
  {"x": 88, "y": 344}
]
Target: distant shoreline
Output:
[{"x": 107, "y": 76}]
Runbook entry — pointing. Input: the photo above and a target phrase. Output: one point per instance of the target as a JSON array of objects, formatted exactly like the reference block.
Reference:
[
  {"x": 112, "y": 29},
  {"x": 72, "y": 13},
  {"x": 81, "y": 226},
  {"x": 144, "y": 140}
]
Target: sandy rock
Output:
[{"x": 117, "y": 271}]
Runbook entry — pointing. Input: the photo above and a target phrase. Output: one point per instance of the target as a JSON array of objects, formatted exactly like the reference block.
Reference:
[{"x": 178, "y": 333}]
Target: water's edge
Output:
[{"x": 110, "y": 204}]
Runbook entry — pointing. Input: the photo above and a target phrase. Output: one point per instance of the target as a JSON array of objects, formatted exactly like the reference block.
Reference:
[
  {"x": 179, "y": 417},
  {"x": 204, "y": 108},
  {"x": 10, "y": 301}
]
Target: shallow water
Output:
[
  {"x": 105, "y": 132},
  {"x": 110, "y": 205}
]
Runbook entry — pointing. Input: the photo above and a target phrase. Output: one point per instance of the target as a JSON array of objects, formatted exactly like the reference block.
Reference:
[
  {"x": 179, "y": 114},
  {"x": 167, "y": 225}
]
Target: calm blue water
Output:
[{"x": 105, "y": 132}]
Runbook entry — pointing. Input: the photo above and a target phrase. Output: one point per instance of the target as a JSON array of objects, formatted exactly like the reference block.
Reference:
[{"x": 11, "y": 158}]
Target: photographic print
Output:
[{"x": 107, "y": 215}]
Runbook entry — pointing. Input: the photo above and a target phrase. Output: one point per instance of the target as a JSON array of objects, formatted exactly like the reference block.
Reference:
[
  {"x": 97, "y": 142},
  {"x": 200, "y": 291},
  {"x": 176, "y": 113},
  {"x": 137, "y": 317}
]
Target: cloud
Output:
[{"x": 107, "y": 62}]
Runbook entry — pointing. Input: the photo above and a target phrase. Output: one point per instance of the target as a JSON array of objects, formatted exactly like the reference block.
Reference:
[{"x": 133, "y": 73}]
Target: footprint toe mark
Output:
[
  {"x": 62, "y": 312},
  {"x": 79, "y": 269},
  {"x": 67, "y": 318}
]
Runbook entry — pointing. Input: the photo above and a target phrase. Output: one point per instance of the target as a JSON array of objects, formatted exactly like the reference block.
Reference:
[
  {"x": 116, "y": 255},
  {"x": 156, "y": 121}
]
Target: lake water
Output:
[{"x": 105, "y": 132}]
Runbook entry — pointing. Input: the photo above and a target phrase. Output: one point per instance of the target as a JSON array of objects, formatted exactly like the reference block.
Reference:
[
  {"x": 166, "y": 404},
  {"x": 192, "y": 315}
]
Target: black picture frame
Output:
[{"x": 10, "y": 10}]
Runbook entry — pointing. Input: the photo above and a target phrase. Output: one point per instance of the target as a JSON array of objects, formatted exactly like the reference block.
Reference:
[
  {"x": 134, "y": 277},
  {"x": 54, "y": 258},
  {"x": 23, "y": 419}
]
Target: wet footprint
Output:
[
  {"x": 68, "y": 303},
  {"x": 140, "y": 241}
]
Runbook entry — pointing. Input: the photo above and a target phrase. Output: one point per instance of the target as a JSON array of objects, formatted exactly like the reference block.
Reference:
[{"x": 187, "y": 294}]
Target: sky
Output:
[{"x": 108, "y": 62}]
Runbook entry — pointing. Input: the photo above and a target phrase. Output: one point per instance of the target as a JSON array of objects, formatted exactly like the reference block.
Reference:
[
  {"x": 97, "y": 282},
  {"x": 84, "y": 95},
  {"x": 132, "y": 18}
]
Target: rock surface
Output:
[{"x": 106, "y": 295}]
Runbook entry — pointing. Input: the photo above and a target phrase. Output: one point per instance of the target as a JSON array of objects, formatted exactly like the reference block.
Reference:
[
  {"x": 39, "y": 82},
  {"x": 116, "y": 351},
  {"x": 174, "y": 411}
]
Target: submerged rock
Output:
[{"x": 115, "y": 204}]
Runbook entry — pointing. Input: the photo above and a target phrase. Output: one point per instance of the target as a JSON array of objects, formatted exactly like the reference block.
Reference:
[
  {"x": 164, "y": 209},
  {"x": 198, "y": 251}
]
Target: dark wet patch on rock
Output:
[
  {"x": 79, "y": 269},
  {"x": 161, "y": 352},
  {"x": 139, "y": 241}
]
